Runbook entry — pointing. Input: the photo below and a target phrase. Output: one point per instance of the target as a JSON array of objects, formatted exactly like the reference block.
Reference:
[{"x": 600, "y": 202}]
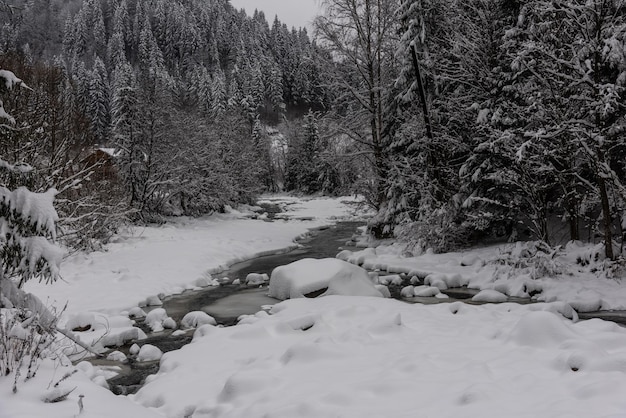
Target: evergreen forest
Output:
[{"x": 459, "y": 121}]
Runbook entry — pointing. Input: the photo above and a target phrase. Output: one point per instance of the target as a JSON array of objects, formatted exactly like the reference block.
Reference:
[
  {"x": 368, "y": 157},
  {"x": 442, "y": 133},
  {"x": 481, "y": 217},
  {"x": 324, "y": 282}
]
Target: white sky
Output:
[{"x": 296, "y": 13}]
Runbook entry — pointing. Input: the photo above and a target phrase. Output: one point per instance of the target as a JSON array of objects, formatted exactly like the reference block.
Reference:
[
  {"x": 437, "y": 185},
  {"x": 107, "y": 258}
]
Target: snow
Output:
[
  {"x": 256, "y": 279},
  {"x": 167, "y": 259},
  {"x": 490, "y": 296},
  {"x": 337, "y": 356},
  {"x": 426, "y": 291},
  {"x": 36, "y": 208},
  {"x": 149, "y": 352},
  {"x": 308, "y": 275},
  {"x": 157, "y": 320},
  {"x": 196, "y": 319},
  {"x": 117, "y": 356},
  {"x": 10, "y": 80},
  {"x": 347, "y": 356},
  {"x": 490, "y": 268}
]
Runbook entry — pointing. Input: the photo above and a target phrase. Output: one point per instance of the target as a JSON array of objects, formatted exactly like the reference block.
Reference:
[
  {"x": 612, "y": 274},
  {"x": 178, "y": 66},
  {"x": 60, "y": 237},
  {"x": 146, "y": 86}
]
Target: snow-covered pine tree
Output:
[
  {"x": 99, "y": 100},
  {"x": 27, "y": 222},
  {"x": 577, "y": 85}
]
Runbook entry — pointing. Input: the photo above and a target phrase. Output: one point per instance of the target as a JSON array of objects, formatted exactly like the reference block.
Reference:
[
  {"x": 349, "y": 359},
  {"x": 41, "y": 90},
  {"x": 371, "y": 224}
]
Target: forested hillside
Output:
[
  {"x": 459, "y": 121},
  {"x": 148, "y": 108}
]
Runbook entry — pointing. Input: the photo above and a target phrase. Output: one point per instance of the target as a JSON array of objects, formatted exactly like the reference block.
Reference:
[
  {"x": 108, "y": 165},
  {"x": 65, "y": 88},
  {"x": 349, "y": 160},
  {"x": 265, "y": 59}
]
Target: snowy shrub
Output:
[
  {"x": 535, "y": 258},
  {"x": 435, "y": 233},
  {"x": 24, "y": 342}
]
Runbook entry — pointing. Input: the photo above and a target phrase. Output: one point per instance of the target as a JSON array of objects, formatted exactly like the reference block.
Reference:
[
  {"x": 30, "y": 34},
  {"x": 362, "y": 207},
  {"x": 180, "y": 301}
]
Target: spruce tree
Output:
[{"x": 27, "y": 220}]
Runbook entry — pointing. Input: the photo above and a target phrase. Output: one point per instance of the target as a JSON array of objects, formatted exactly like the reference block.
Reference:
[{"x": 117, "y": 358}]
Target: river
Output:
[{"x": 226, "y": 303}]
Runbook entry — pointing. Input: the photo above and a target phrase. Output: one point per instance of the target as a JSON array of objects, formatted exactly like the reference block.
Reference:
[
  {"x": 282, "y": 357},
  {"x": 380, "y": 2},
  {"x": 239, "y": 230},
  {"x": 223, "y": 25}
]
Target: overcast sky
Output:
[{"x": 296, "y": 13}]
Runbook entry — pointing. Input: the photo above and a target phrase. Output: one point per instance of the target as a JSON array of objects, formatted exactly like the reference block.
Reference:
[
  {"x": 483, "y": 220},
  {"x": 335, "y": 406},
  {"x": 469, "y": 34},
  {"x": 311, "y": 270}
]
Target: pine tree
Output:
[
  {"x": 28, "y": 223},
  {"x": 99, "y": 100},
  {"x": 218, "y": 94}
]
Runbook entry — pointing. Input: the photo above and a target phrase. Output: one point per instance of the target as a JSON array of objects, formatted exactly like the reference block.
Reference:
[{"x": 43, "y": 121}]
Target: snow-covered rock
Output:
[
  {"x": 136, "y": 313},
  {"x": 169, "y": 323},
  {"x": 117, "y": 356},
  {"x": 309, "y": 275},
  {"x": 157, "y": 320},
  {"x": 490, "y": 296},
  {"x": 82, "y": 321},
  {"x": 117, "y": 337},
  {"x": 196, "y": 319},
  {"x": 444, "y": 281},
  {"x": 206, "y": 281},
  {"x": 152, "y": 301},
  {"x": 149, "y": 352},
  {"x": 256, "y": 279},
  {"x": 426, "y": 291},
  {"x": 394, "y": 279},
  {"x": 407, "y": 291}
]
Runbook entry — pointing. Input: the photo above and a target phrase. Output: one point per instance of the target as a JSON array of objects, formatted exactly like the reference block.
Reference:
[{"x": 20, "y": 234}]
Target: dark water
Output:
[
  {"x": 322, "y": 243},
  {"x": 228, "y": 301}
]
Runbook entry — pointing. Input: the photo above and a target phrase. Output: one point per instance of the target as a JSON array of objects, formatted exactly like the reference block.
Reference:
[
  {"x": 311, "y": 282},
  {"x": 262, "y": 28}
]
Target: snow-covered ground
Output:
[
  {"x": 341, "y": 356},
  {"x": 574, "y": 275},
  {"x": 181, "y": 254}
]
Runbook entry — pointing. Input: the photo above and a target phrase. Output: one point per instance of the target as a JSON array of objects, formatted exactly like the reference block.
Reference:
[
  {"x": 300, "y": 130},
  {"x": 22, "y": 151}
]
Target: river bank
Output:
[{"x": 445, "y": 360}]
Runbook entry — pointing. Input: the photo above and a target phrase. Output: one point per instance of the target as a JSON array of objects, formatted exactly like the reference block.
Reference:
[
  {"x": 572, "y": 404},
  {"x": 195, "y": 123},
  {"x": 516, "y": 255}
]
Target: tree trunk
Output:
[
  {"x": 606, "y": 218},
  {"x": 422, "y": 92},
  {"x": 573, "y": 227}
]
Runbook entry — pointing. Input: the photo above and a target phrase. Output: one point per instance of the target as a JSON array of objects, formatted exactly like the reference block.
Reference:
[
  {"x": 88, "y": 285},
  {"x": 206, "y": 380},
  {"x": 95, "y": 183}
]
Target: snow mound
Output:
[
  {"x": 256, "y": 279},
  {"x": 560, "y": 308},
  {"x": 407, "y": 291},
  {"x": 118, "y": 337},
  {"x": 151, "y": 301},
  {"x": 352, "y": 281},
  {"x": 426, "y": 291},
  {"x": 586, "y": 303},
  {"x": 471, "y": 260},
  {"x": 384, "y": 291},
  {"x": 136, "y": 313},
  {"x": 358, "y": 257},
  {"x": 394, "y": 279},
  {"x": 206, "y": 281},
  {"x": 541, "y": 329},
  {"x": 444, "y": 281},
  {"x": 489, "y": 296},
  {"x": 309, "y": 275},
  {"x": 158, "y": 320},
  {"x": 82, "y": 321},
  {"x": 117, "y": 356},
  {"x": 149, "y": 352},
  {"x": 196, "y": 319}
]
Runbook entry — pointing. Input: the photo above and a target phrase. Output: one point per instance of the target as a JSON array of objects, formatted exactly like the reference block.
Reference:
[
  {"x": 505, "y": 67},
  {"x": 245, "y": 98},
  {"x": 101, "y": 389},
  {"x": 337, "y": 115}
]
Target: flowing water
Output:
[{"x": 229, "y": 301}]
